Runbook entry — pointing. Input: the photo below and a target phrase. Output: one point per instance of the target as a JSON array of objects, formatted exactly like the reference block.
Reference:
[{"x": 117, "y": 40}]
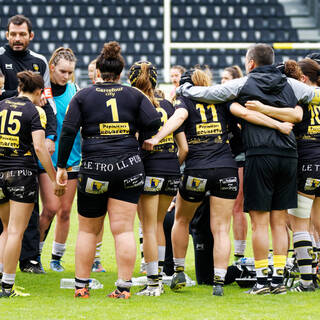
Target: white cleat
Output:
[{"x": 150, "y": 291}]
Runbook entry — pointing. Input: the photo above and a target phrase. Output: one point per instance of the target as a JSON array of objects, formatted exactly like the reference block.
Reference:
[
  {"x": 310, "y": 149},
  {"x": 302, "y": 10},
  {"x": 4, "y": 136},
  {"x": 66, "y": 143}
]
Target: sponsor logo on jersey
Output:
[
  {"x": 311, "y": 184},
  {"x": 196, "y": 184},
  {"x": 114, "y": 128},
  {"x": 167, "y": 139},
  {"x": 204, "y": 129},
  {"x": 8, "y": 66},
  {"x": 153, "y": 184},
  {"x": 35, "y": 67},
  {"x": 313, "y": 129},
  {"x": 96, "y": 186},
  {"x": 15, "y": 104},
  {"x": 7, "y": 141}
]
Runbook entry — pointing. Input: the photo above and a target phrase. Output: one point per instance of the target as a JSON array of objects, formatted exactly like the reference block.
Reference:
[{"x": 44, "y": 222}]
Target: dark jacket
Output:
[
  {"x": 12, "y": 62},
  {"x": 268, "y": 85}
]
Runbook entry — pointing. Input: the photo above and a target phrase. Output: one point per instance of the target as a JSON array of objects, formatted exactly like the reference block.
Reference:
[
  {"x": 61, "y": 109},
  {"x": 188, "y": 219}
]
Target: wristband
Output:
[{"x": 51, "y": 137}]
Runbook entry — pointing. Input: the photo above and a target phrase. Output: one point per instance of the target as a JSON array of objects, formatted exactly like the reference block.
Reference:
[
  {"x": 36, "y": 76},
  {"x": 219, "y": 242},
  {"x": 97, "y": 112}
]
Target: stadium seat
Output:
[{"x": 85, "y": 25}]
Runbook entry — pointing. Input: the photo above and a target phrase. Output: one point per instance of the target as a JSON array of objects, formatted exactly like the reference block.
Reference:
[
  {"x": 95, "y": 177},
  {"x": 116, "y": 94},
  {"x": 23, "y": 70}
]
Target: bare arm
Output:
[
  {"x": 181, "y": 140},
  {"x": 174, "y": 122},
  {"x": 292, "y": 115},
  {"x": 38, "y": 138},
  {"x": 259, "y": 118}
]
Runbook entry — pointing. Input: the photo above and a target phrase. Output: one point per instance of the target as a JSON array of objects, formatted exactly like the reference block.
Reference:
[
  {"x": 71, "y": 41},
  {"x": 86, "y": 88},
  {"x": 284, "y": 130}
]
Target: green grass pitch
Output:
[{"x": 48, "y": 301}]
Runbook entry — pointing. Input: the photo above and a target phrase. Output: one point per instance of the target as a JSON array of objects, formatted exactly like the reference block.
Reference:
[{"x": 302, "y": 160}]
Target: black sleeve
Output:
[
  {"x": 234, "y": 132},
  {"x": 51, "y": 129},
  {"x": 8, "y": 93},
  {"x": 65, "y": 145},
  {"x": 148, "y": 115}
]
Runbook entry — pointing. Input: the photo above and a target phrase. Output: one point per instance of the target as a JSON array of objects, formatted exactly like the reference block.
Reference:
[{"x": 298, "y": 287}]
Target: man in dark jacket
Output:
[
  {"x": 271, "y": 156},
  {"x": 15, "y": 57}
]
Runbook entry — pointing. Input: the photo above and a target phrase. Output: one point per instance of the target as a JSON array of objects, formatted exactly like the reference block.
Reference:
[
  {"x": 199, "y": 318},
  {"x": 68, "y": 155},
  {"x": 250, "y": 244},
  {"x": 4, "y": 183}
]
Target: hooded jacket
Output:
[{"x": 268, "y": 85}]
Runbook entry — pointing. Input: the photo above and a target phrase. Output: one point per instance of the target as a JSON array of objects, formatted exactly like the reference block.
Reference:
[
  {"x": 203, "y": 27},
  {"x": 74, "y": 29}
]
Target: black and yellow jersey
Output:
[
  {"x": 206, "y": 132},
  {"x": 308, "y": 130},
  {"x": 19, "y": 117},
  {"x": 109, "y": 115},
  {"x": 163, "y": 159}
]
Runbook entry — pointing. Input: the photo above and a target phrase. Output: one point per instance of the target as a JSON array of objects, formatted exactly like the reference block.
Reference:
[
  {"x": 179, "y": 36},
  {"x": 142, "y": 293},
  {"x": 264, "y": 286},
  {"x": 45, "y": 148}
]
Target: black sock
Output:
[
  {"x": 121, "y": 289},
  {"x": 55, "y": 257},
  {"x": 6, "y": 287},
  {"x": 81, "y": 283}
]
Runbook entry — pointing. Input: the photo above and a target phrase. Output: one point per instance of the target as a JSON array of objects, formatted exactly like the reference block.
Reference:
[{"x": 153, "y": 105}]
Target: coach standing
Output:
[
  {"x": 15, "y": 57},
  {"x": 271, "y": 157}
]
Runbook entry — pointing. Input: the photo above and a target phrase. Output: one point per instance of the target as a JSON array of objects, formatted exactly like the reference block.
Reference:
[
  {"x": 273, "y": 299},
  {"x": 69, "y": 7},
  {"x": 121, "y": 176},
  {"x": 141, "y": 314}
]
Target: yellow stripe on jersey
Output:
[{"x": 43, "y": 117}]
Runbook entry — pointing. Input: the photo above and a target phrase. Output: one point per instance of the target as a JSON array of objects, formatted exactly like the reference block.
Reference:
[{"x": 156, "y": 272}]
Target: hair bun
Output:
[{"x": 111, "y": 50}]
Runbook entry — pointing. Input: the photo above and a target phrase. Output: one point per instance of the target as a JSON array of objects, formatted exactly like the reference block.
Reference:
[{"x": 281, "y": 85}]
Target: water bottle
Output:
[
  {"x": 66, "y": 283},
  {"x": 95, "y": 284},
  {"x": 246, "y": 261}
]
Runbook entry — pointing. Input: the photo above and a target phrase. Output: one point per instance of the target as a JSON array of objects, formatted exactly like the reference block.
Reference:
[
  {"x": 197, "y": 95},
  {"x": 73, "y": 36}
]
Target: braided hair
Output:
[
  {"x": 143, "y": 75},
  {"x": 62, "y": 53}
]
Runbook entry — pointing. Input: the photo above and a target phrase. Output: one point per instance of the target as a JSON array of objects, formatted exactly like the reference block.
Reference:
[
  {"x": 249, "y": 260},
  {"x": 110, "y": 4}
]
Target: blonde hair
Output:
[
  {"x": 62, "y": 53},
  {"x": 201, "y": 77}
]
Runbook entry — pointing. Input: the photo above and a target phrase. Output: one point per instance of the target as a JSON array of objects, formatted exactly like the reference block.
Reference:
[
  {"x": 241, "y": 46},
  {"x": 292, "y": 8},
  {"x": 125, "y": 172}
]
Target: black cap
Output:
[
  {"x": 314, "y": 56},
  {"x": 186, "y": 77}
]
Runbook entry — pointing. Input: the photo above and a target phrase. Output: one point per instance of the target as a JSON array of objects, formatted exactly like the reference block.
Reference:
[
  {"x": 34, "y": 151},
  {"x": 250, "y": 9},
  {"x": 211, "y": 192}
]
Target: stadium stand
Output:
[{"x": 84, "y": 25}]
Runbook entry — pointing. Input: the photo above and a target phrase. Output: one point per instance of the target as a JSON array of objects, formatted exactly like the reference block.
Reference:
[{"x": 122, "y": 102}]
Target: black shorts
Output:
[
  {"x": 270, "y": 183},
  {"x": 161, "y": 184},
  {"x": 118, "y": 178},
  {"x": 309, "y": 177},
  {"x": 221, "y": 182},
  {"x": 19, "y": 185}
]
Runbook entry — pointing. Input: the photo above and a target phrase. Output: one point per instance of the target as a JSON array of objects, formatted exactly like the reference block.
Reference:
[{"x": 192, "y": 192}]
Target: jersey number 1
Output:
[{"x": 114, "y": 109}]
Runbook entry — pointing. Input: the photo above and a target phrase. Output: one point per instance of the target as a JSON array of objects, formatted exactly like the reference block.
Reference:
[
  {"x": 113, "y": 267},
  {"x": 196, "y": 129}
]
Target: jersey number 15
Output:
[{"x": 13, "y": 125}]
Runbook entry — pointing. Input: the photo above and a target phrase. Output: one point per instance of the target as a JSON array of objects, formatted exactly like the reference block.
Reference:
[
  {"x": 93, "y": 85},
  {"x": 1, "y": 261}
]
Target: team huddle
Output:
[{"x": 126, "y": 149}]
